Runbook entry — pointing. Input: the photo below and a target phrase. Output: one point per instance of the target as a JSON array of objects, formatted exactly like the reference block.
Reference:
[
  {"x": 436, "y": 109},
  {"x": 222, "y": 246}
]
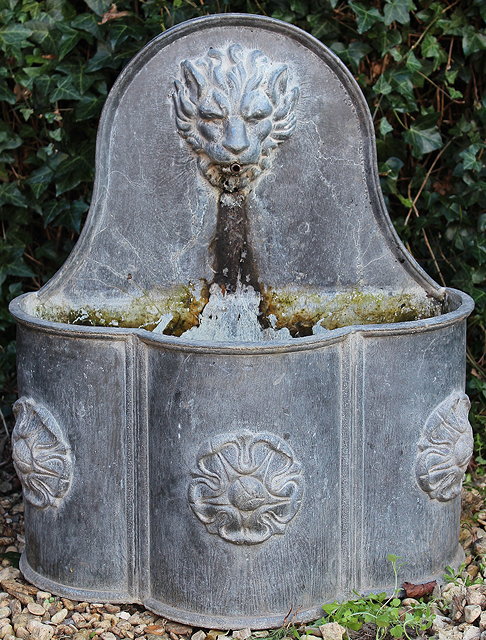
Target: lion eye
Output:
[
  {"x": 208, "y": 112},
  {"x": 257, "y": 107}
]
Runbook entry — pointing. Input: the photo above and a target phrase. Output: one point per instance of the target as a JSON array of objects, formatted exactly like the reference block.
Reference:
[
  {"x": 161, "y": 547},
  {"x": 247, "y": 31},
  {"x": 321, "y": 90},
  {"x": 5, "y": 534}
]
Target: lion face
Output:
[{"x": 234, "y": 108}]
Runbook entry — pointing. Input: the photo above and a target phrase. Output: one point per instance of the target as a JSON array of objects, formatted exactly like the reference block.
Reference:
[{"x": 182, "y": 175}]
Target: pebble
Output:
[
  {"x": 440, "y": 622},
  {"x": 111, "y": 608},
  {"x": 482, "y": 622},
  {"x": 36, "y": 609},
  {"x": 199, "y": 635},
  {"x": 480, "y": 547},
  {"x": 135, "y": 619},
  {"x": 155, "y": 629},
  {"x": 60, "y": 616},
  {"x": 242, "y": 634},
  {"x": 21, "y": 620},
  {"x": 473, "y": 570},
  {"x": 69, "y": 604},
  {"x": 471, "y": 633},
  {"x": 43, "y": 595},
  {"x": 409, "y": 602},
  {"x": 332, "y": 631},
  {"x": 40, "y": 631},
  {"x": 6, "y": 630},
  {"x": 452, "y": 590},
  {"x": 124, "y": 615},
  {"x": 4, "y": 612},
  {"x": 85, "y": 634},
  {"x": 139, "y": 629},
  {"x": 472, "y": 612},
  {"x": 178, "y": 629},
  {"x": 450, "y": 634},
  {"x": 15, "y": 607},
  {"x": 108, "y": 636},
  {"x": 124, "y": 626},
  {"x": 475, "y": 595}
]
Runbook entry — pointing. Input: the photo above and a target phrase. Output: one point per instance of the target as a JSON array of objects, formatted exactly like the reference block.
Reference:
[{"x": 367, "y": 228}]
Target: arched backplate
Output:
[{"x": 315, "y": 209}]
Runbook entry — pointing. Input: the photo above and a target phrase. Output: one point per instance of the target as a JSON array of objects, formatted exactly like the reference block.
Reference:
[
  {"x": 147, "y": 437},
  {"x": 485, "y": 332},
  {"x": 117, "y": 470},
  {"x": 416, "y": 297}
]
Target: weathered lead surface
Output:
[{"x": 268, "y": 398}]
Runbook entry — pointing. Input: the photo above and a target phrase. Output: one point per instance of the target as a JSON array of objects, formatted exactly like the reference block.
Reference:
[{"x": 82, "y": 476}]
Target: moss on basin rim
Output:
[
  {"x": 298, "y": 310},
  {"x": 183, "y": 303}
]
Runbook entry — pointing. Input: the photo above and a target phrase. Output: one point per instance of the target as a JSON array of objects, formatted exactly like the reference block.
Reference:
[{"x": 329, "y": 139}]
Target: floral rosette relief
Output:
[
  {"x": 247, "y": 487},
  {"x": 41, "y": 456},
  {"x": 445, "y": 448}
]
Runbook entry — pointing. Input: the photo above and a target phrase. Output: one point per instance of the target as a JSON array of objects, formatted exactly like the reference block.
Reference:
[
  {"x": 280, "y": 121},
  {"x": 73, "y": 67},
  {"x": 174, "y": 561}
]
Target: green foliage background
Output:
[{"x": 420, "y": 64}]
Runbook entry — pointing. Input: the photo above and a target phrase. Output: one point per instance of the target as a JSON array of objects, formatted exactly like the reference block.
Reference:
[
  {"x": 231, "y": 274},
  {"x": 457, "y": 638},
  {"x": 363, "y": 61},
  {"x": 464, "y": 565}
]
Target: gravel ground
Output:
[{"x": 26, "y": 612}]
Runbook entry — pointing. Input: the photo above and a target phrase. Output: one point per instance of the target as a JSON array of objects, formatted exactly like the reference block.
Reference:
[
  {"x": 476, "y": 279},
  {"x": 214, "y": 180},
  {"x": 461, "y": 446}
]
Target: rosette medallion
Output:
[
  {"x": 41, "y": 455},
  {"x": 247, "y": 487}
]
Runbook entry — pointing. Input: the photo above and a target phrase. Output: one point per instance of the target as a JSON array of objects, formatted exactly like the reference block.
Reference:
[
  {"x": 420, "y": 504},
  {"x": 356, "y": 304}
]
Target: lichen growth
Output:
[
  {"x": 301, "y": 311},
  {"x": 183, "y": 303}
]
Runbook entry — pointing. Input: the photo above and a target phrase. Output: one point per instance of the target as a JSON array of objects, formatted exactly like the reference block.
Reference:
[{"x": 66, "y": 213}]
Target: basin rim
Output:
[{"x": 464, "y": 309}]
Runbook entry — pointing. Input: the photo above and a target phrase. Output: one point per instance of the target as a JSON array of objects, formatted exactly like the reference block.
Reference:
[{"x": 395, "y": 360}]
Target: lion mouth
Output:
[
  {"x": 230, "y": 176},
  {"x": 235, "y": 166}
]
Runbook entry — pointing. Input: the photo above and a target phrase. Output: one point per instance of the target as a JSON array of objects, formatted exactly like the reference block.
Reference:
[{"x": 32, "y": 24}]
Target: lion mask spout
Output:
[{"x": 234, "y": 108}]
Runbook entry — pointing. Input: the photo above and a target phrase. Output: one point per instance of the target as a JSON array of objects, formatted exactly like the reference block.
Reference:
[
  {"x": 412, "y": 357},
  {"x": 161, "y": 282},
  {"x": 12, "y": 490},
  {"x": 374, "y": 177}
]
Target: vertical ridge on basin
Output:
[
  {"x": 352, "y": 463},
  {"x": 131, "y": 483},
  {"x": 142, "y": 540}
]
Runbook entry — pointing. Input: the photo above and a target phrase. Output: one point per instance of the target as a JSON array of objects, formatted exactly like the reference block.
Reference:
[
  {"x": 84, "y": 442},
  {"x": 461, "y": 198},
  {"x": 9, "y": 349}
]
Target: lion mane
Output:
[{"x": 234, "y": 105}]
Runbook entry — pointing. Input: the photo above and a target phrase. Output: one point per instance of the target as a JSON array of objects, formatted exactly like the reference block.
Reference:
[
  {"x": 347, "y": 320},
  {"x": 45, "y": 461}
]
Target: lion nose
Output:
[{"x": 235, "y": 138}]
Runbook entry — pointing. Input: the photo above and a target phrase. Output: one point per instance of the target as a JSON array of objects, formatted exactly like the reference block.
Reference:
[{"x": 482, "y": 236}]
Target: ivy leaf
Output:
[
  {"x": 42, "y": 34},
  {"x": 88, "y": 107},
  {"x": 383, "y": 85},
  {"x": 385, "y": 127},
  {"x": 76, "y": 214},
  {"x": 386, "y": 39},
  {"x": 398, "y": 11},
  {"x": 365, "y": 17},
  {"x": 39, "y": 180},
  {"x": 469, "y": 161},
  {"x": 55, "y": 9},
  {"x": 358, "y": 50},
  {"x": 423, "y": 140},
  {"x": 26, "y": 113},
  {"x": 89, "y": 23},
  {"x": 412, "y": 62},
  {"x": 8, "y": 140},
  {"x": 71, "y": 172},
  {"x": 65, "y": 90},
  {"x": 14, "y": 34},
  {"x": 402, "y": 82},
  {"x": 99, "y": 6},
  {"x": 10, "y": 194},
  {"x": 473, "y": 41},
  {"x": 6, "y": 94},
  {"x": 70, "y": 37},
  {"x": 431, "y": 48}
]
